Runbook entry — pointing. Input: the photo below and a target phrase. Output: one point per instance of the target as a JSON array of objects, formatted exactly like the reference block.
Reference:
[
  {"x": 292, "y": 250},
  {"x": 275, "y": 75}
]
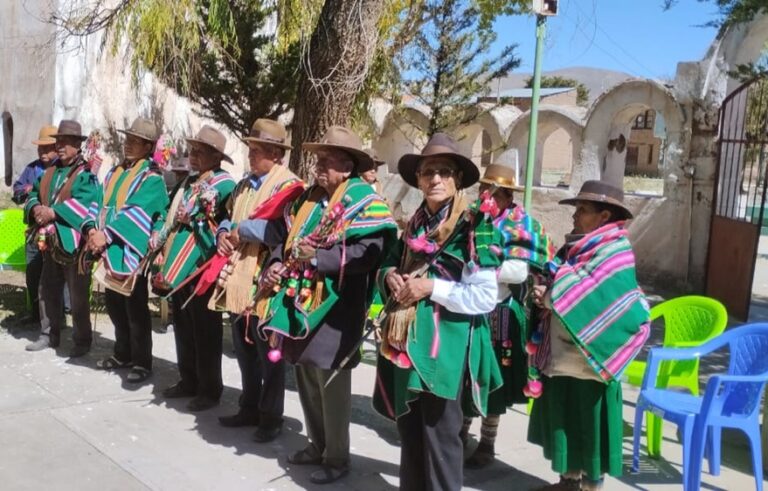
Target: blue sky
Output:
[{"x": 632, "y": 36}]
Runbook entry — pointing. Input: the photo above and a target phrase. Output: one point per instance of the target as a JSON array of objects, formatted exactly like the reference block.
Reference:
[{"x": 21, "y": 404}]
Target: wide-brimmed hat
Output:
[
  {"x": 440, "y": 145},
  {"x": 69, "y": 127},
  {"x": 143, "y": 128},
  {"x": 377, "y": 162},
  {"x": 269, "y": 132},
  {"x": 501, "y": 176},
  {"x": 213, "y": 138},
  {"x": 344, "y": 139},
  {"x": 46, "y": 136},
  {"x": 601, "y": 192}
]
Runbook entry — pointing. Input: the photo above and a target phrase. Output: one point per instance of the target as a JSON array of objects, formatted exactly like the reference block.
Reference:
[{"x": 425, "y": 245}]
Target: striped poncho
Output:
[
  {"x": 596, "y": 297},
  {"x": 305, "y": 296},
  {"x": 524, "y": 237}
]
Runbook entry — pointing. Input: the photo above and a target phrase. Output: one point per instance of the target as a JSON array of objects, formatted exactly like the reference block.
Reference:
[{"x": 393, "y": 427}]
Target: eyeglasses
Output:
[{"x": 444, "y": 173}]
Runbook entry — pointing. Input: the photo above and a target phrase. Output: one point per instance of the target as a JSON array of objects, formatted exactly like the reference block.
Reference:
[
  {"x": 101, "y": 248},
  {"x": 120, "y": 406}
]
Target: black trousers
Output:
[
  {"x": 431, "y": 455},
  {"x": 34, "y": 259},
  {"x": 198, "y": 334},
  {"x": 263, "y": 381},
  {"x": 53, "y": 279},
  {"x": 133, "y": 324}
]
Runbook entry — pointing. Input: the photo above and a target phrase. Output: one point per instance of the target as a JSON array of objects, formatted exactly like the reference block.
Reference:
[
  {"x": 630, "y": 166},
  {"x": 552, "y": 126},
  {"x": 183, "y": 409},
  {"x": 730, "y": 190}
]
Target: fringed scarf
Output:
[{"x": 423, "y": 237}]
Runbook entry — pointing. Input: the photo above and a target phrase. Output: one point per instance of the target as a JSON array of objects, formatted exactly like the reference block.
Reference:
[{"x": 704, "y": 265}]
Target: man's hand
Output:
[
  {"x": 224, "y": 244},
  {"x": 182, "y": 216},
  {"x": 272, "y": 275},
  {"x": 234, "y": 238},
  {"x": 154, "y": 240},
  {"x": 43, "y": 214},
  {"x": 414, "y": 290},
  {"x": 395, "y": 281},
  {"x": 306, "y": 252},
  {"x": 97, "y": 241},
  {"x": 539, "y": 292}
]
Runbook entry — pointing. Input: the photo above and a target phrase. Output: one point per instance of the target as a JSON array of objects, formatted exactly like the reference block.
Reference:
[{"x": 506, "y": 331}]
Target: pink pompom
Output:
[
  {"x": 533, "y": 389},
  {"x": 275, "y": 355},
  {"x": 531, "y": 348}
]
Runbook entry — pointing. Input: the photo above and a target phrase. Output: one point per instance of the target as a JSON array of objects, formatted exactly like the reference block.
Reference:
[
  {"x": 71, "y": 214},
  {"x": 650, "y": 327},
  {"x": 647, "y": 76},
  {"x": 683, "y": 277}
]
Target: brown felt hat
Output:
[
  {"x": 46, "y": 136},
  {"x": 268, "y": 132},
  {"x": 69, "y": 127},
  {"x": 501, "y": 176},
  {"x": 213, "y": 138},
  {"x": 601, "y": 192},
  {"x": 344, "y": 139},
  {"x": 440, "y": 145},
  {"x": 377, "y": 162},
  {"x": 143, "y": 128}
]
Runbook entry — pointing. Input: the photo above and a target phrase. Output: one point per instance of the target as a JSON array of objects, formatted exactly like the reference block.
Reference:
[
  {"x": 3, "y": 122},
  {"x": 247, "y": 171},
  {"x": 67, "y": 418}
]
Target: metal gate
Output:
[{"x": 738, "y": 214}]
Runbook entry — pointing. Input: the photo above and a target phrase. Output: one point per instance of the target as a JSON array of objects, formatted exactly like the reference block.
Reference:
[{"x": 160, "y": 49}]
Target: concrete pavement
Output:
[{"x": 66, "y": 425}]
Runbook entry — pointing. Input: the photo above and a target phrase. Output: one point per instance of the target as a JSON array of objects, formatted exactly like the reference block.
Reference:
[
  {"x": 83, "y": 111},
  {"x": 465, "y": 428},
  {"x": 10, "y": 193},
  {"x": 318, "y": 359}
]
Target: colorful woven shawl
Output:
[
  {"x": 305, "y": 296},
  {"x": 524, "y": 237},
  {"x": 596, "y": 297}
]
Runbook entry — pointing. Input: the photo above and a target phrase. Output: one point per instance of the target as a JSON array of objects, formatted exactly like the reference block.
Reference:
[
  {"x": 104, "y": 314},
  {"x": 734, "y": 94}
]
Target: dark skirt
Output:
[
  {"x": 509, "y": 337},
  {"x": 579, "y": 425}
]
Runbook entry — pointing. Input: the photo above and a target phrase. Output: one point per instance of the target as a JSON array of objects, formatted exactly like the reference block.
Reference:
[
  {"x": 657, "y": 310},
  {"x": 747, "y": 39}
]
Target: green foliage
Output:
[
  {"x": 556, "y": 81},
  {"x": 213, "y": 51},
  {"x": 447, "y": 66}
]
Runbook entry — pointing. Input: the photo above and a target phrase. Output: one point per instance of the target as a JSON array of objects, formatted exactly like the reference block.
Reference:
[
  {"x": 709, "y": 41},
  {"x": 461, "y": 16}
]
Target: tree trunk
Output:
[{"x": 334, "y": 68}]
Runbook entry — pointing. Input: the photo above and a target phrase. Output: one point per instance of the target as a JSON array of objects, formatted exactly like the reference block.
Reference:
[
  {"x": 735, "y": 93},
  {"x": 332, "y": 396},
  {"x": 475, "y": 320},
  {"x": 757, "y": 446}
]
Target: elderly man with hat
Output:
[
  {"x": 599, "y": 320},
  {"x": 46, "y": 153},
  {"x": 439, "y": 282},
  {"x": 247, "y": 239},
  {"x": 56, "y": 210},
  {"x": 339, "y": 229},
  {"x": 190, "y": 243},
  {"x": 118, "y": 230},
  {"x": 526, "y": 249}
]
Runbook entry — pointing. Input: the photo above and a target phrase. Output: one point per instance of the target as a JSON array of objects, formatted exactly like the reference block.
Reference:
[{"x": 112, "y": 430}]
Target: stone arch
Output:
[
  {"x": 551, "y": 120},
  {"x": 6, "y": 143},
  {"x": 611, "y": 116},
  {"x": 403, "y": 131}
]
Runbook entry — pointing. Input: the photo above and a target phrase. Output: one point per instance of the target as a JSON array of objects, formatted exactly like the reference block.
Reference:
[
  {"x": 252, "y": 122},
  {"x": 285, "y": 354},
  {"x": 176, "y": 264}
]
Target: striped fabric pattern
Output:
[
  {"x": 596, "y": 296},
  {"x": 524, "y": 237}
]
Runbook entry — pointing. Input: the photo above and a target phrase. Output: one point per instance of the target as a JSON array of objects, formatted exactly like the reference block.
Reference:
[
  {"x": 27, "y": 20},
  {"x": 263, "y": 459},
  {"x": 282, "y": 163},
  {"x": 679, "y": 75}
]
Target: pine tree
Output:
[{"x": 447, "y": 66}]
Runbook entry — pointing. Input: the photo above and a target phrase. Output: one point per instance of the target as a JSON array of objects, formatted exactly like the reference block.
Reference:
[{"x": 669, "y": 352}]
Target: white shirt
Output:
[
  {"x": 475, "y": 294},
  {"x": 511, "y": 272}
]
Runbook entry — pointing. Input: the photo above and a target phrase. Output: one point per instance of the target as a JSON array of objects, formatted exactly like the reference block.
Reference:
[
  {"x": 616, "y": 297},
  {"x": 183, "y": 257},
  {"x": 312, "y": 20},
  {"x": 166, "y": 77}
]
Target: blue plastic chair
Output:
[{"x": 731, "y": 400}]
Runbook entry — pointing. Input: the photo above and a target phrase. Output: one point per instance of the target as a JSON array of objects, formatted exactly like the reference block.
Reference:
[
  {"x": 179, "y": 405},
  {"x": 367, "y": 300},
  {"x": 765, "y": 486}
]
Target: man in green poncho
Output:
[
  {"x": 118, "y": 231},
  {"x": 338, "y": 231},
  {"x": 57, "y": 207},
  {"x": 436, "y": 352}
]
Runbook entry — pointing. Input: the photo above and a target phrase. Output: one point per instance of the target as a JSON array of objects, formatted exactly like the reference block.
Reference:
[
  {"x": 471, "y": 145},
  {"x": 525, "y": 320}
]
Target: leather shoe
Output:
[
  {"x": 41, "y": 343},
  {"x": 267, "y": 434},
  {"x": 176, "y": 391},
  {"x": 77, "y": 351},
  {"x": 328, "y": 474},
  {"x": 200, "y": 403},
  {"x": 239, "y": 419},
  {"x": 306, "y": 456}
]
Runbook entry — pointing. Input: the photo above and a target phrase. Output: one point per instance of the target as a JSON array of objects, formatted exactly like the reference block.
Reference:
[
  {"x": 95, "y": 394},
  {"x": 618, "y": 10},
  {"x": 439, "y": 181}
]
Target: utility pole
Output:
[{"x": 542, "y": 9}]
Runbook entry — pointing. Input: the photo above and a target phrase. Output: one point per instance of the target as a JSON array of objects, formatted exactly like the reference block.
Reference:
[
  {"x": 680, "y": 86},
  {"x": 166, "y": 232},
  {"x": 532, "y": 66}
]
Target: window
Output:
[
  {"x": 631, "y": 160},
  {"x": 644, "y": 120}
]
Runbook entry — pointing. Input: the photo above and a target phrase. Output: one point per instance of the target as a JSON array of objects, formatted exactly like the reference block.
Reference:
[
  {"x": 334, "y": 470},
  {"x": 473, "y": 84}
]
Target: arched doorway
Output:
[
  {"x": 738, "y": 211},
  {"x": 7, "y": 146}
]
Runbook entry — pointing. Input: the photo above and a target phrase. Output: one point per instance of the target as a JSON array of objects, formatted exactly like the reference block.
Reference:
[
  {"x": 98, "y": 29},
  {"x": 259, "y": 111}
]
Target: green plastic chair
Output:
[
  {"x": 688, "y": 321},
  {"x": 12, "y": 239}
]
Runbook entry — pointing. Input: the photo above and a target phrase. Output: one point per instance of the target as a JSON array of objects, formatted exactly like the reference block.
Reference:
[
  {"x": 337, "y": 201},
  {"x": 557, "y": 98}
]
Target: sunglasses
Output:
[{"x": 444, "y": 173}]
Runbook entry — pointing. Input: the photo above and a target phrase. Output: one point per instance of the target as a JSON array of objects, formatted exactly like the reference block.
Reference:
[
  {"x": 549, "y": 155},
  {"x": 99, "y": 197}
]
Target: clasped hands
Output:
[
  {"x": 43, "y": 215},
  {"x": 97, "y": 241},
  {"x": 407, "y": 290}
]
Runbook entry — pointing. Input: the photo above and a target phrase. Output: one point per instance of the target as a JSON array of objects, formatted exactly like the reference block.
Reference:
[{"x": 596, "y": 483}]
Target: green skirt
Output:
[{"x": 579, "y": 425}]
